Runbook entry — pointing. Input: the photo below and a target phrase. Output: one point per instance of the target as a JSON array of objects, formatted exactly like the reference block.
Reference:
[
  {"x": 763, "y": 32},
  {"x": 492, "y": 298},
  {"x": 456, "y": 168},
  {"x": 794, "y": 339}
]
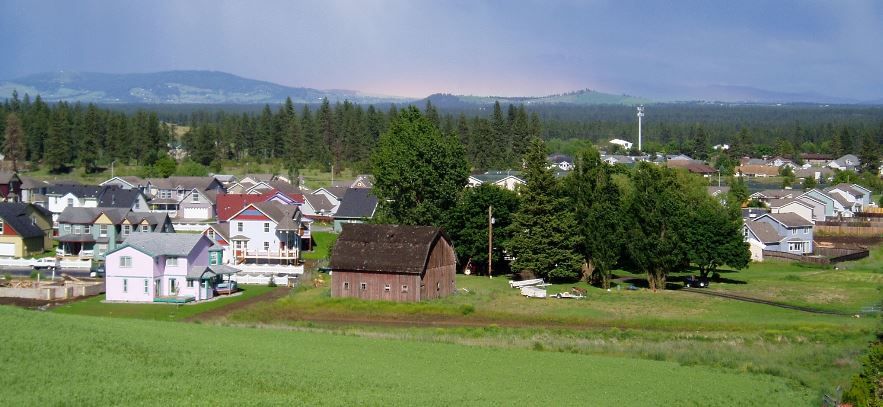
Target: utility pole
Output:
[
  {"x": 640, "y": 116},
  {"x": 490, "y": 240}
]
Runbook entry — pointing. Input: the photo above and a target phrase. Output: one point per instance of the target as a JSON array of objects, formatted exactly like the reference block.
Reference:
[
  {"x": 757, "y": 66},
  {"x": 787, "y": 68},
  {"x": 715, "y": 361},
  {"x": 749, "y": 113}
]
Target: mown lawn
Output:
[
  {"x": 163, "y": 312},
  {"x": 123, "y": 361},
  {"x": 322, "y": 242}
]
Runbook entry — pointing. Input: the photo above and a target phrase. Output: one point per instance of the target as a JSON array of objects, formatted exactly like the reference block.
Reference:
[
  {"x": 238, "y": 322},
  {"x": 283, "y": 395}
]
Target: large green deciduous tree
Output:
[
  {"x": 544, "y": 231},
  {"x": 418, "y": 171},
  {"x": 468, "y": 224}
]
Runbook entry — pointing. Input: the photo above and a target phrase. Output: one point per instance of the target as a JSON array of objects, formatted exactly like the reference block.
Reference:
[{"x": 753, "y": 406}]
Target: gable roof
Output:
[
  {"x": 848, "y": 189},
  {"x": 287, "y": 217},
  {"x": 83, "y": 215},
  {"x": 789, "y": 219},
  {"x": 774, "y": 193},
  {"x": 162, "y": 244},
  {"x": 112, "y": 196},
  {"x": 694, "y": 166},
  {"x": 319, "y": 202},
  {"x": 222, "y": 229},
  {"x": 16, "y": 216},
  {"x": 78, "y": 190},
  {"x": 559, "y": 158},
  {"x": 336, "y": 191},
  {"x": 754, "y": 169},
  {"x": 230, "y": 204},
  {"x": 357, "y": 203},
  {"x": 198, "y": 183},
  {"x": 765, "y": 232},
  {"x": 385, "y": 248},
  {"x": 33, "y": 183},
  {"x": 778, "y": 203},
  {"x": 7, "y": 176}
]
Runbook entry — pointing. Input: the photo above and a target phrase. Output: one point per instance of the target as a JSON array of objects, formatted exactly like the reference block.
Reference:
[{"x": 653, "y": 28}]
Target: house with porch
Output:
[
  {"x": 267, "y": 233},
  {"x": 185, "y": 198},
  {"x": 782, "y": 232},
  {"x": 92, "y": 232},
  {"x": 165, "y": 267},
  {"x": 25, "y": 229}
]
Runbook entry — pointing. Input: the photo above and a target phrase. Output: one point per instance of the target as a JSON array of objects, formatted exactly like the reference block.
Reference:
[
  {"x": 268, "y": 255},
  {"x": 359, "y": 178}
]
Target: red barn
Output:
[{"x": 392, "y": 263}]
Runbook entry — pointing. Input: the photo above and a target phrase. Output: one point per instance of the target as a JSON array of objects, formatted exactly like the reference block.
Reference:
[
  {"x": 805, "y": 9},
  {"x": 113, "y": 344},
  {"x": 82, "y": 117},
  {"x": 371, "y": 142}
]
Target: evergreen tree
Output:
[
  {"x": 431, "y": 114},
  {"x": 521, "y": 133},
  {"x": 90, "y": 138},
  {"x": 596, "y": 203},
  {"x": 56, "y": 142},
  {"x": 418, "y": 171},
  {"x": 294, "y": 142},
  {"x": 326, "y": 134},
  {"x": 501, "y": 148},
  {"x": 870, "y": 154},
  {"x": 13, "y": 144},
  {"x": 738, "y": 193},
  {"x": 467, "y": 225},
  {"x": 544, "y": 231}
]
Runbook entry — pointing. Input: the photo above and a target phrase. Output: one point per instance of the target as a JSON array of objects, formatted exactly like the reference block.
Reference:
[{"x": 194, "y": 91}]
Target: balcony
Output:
[{"x": 283, "y": 254}]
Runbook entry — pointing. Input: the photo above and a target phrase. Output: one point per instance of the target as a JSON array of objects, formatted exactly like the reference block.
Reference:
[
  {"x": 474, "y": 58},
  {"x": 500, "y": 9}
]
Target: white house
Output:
[
  {"x": 624, "y": 144},
  {"x": 267, "y": 233}
]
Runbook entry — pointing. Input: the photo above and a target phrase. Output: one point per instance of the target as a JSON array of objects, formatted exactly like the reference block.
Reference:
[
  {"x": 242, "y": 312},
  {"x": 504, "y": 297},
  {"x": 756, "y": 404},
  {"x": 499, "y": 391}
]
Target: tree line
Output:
[{"x": 648, "y": 219}]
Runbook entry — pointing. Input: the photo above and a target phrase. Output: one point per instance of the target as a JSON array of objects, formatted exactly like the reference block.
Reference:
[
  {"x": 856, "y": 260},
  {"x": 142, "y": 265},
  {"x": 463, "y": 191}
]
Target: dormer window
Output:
[
  {"x": 127, "y": 229},
  {"x": 145, "y": 228}
]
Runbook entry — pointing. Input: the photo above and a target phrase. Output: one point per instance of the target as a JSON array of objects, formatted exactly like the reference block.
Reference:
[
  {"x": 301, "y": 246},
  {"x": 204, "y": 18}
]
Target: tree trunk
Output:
[{"x": 588, "y": 270}]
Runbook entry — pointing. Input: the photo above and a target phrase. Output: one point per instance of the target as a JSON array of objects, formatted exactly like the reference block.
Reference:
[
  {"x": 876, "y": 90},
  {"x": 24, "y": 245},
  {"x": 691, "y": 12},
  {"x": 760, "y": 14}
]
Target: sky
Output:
[{"x": 503, "y": 48}]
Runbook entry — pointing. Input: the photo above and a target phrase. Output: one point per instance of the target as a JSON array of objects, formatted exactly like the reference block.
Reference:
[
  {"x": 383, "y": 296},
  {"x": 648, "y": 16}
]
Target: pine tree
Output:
[
  {"x": 294, "y": 142},
  {"x": 521, "y": 133},
  {"x": 90, "y": 138},
  {"x": 501, "y": 146},
  {"x": 870, "y": 154},
  {"x": 325, "y": 127},
  {"x": 56, "y": 142},
  {"x": 544, "y": 231},
  {"x": 431, "y": 114},
  {"x": 13, "y": 144}
]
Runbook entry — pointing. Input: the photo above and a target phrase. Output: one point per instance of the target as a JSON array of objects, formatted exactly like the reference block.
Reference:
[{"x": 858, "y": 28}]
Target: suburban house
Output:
[
  {"x": 10, "y": 186},
  {"x": 25, "y": 229},
  {"x": 185, "y": 198},
  {"x": 131, "y": 182},
  {"x": 848, "y": 162},
  {"x": 781, "y": 232},
  {"x": 799, "y": 207},
  {"x": 267, "y": 233},
  {"x": 817, "y": 173},
  {"x": 767, "y": 195},
  {"x": 503, "y": 179},
  {"x": 34, "y": 190},
  {"x": 392, "y": 263},
  {"x": 560, "y": 161},
  {"x": 332, "y": 194},
  {"x": 165, "y": 267},
  {"x": 816, "y": 160},
  {"x": 779, "y": 162},
  {"x": 693, "y": 166},
  {"x": 358, "y": 204},
  {"x": 821, "y": 197},
  {"x": 618, "y": 159},
  {"x": 230, "y": 204},
  {"x": 363, "y": 181},
  {"x": 756, "y": 170},
  {"x": 858, "y": 196},
  {"x": 62, "y": 196},
  {"x": 317, "y": 206},
  {"x": 622, "y": 143},
  {"x": 92, "y": 232}
]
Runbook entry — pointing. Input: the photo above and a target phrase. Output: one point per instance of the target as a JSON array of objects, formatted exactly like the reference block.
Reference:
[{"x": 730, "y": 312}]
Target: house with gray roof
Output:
[
  {"x": 508, "y": 179},
  {"x": 782, "y": 232},
  {"x": 847, "y": 162},
  {"x": 25, "y": 229},
  {"x": 852, "y": 193},
  {"x": 92, "y": 232},
  {"x": 185, "y": 199},
  {"x": 357, "y": 205},
  {"x": 165, "y": 267}
]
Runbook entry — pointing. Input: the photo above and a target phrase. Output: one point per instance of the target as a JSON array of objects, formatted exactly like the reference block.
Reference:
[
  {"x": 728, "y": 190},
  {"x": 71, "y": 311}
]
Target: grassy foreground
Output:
[{"x": 124, "y": 361}]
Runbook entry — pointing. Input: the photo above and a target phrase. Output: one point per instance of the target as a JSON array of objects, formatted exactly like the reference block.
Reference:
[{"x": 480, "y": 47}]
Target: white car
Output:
[{"x": 44, "y": 263}]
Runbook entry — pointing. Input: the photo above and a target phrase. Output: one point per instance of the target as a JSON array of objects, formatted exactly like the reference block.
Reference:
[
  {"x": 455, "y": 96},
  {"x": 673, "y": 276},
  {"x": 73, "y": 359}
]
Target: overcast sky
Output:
[{"x": 415, "y": 48}]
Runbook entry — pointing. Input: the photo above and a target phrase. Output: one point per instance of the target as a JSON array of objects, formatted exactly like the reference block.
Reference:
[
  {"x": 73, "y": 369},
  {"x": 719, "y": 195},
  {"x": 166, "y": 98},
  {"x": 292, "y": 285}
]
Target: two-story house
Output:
[
  {"x": 25, "y": 229},
  {"x": 62, "y": 196},
  {"x": 858, "y": 196},
  {"x": 782, "y": 232},
  {"x": 165, "y": 267},
  {"x": 92, "y": 232},
  {"x": 267, "y": 233},
  {"x": 185, "y": 198}
]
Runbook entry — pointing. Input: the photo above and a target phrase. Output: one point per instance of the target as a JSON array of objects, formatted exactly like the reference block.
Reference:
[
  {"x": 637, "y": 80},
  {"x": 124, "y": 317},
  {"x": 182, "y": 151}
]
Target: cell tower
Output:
[{"x": 640, "y": 115}]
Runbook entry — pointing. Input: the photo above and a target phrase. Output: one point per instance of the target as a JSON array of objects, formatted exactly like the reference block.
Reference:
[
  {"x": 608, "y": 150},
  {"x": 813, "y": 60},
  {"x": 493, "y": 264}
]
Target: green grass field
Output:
[
  {"x": 161, "y": 312},
  {"x": 55, "y": 359}
]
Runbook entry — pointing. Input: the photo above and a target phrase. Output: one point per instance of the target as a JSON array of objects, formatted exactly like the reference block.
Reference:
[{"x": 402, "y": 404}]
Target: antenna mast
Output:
[{"x": 640, "y": 115}]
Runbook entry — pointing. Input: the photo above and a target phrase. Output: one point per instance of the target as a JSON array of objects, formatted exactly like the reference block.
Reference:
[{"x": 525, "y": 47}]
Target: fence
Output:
[
  {"x": 864, "y": 229},
  {"x": 795, "y": 257},
  {"x": 65, "y": 264},
  {"x": 190, "y": 227},
  {"x": 822, "y": 255}
]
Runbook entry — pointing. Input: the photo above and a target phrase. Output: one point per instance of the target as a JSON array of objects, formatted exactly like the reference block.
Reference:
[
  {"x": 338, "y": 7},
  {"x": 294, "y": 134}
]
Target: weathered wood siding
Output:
[
  {"x": 375, "y": 285},
  {"x": 438, "y": 277}
]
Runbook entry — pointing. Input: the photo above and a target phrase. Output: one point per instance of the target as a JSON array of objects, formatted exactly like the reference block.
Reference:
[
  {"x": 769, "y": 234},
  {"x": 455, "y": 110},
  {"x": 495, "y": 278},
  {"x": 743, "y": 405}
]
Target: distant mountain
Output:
[
  {"x": 747, "y": 94},
  {"x": 173, "y": 87},
  {"x": 580, "y": 98}
]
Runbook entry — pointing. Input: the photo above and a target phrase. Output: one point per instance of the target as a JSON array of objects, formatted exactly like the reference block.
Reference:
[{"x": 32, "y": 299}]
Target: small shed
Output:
[{"x": 392, "y": 263}]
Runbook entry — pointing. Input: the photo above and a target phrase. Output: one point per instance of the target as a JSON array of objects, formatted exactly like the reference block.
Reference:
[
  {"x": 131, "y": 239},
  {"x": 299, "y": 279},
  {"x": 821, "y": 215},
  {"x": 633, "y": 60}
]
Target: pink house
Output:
[{"x": 165, "y": 267}]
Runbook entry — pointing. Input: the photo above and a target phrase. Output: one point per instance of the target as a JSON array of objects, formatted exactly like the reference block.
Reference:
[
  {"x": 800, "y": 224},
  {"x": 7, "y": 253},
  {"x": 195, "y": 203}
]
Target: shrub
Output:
[{"x": 866, "y": 388}]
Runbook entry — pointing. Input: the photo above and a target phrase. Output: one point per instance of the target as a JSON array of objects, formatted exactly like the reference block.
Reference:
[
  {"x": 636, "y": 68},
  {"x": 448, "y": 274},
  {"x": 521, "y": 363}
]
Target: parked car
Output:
[
  {"x": 695, "y": 282},
  {"x": 45, "y": 263},
  {"x": 97, "y": 270}
]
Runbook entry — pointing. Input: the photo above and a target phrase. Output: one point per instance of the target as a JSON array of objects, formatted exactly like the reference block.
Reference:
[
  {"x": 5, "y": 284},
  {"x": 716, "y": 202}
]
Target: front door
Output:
[{"x": 157, "y": 292}]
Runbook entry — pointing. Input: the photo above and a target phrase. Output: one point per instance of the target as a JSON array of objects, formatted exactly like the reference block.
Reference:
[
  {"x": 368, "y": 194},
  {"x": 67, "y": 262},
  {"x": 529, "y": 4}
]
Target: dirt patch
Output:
[
  {"x": 272, "y": 295},
  {"x": 37, "y": 304}
]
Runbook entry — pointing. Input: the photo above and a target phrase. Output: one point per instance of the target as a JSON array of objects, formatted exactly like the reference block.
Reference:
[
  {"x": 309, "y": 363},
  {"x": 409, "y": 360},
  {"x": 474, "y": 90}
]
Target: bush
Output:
[
  {"x": 866, "y": 388},
  {"x": 7, "y": 275},
  {"x": 272, "y": 282},
  {"x": 35, "y": 274}
]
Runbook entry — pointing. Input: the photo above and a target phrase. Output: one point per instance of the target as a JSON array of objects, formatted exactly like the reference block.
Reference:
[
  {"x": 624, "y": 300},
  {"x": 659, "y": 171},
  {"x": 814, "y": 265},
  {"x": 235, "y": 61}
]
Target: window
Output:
[
  {"x": 137, "y": 204},
  {"x": 195, "y": 197},
  {"x": 211, "y": 234},
  {"x": 2, "y": 224},
  {"x": 363, "y": 286},
  {"x": 214, "y": 258},
  {"x": 125, "y": 285},
  {"x": 793, "y": 232},
  {"x": 146, "y": 284},
  {"x": 795, "y": 246},
  {"x": 145, "y": 228},
  {"x": 166, "y": 194},
  {"x": 266, "y": 246},
  {"x": 189, "y": 283},
  {"x": 266, "y": 227},
  {"x": 125, "y": 262},
  {"x": 127, "y": 229},
  {"x": 404, "y": 288},
  {"x": 171, "y": 262},
  {"x": 102, "y": 230},
  {"x": 78, "y": 229},
  {"x": 67, "y": 229},
  {"x": 239, "y": 226},
  {"x": 386, "y": 288},
  {"x": 70, "y": 202},
  {"x": 805, "y": 231},
  {"x": 87, "y": 229},
  {"x": 346, "y": 285},
  {"x": 173, "y": 285}
]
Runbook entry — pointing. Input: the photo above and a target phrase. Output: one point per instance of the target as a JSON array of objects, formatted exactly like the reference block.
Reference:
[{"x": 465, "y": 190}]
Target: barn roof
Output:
[{"x": 384, "y": 248}]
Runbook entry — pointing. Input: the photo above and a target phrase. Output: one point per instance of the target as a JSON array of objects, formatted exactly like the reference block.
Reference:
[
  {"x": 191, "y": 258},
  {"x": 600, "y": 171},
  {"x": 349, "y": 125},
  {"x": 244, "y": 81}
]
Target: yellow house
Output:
[{"x": 25, "y": 229}]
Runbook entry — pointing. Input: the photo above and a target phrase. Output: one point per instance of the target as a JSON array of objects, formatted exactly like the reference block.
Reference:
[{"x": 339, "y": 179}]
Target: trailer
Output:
[
  {"x": 533, "y": 292},
  {"x": 525, "y": 283}
]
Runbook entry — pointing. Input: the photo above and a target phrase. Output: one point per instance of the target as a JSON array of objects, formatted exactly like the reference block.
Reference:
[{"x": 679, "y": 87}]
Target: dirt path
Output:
[
  {"x": 272, "y": 295},
  {"x": 765, "y": 302}
]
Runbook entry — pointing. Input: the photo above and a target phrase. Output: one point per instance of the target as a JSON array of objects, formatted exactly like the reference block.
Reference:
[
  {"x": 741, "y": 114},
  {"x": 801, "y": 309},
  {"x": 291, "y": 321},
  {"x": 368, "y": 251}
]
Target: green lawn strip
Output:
[
  {"x": 165, "y": 312},
  {"x": 120, "y": 361},
  {"x": 322, "y": 242}
]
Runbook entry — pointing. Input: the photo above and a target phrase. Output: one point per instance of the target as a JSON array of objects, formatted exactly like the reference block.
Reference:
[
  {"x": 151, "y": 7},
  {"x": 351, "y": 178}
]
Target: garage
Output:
[
  {"x": 196, "y": 213},
  {"x": 7, "y": 249}
]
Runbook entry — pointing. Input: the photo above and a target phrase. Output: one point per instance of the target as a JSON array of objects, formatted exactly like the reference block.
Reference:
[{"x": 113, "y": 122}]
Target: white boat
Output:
[
  {"x": 525, "y": 283},
  {"x": 533, "y": 292}
]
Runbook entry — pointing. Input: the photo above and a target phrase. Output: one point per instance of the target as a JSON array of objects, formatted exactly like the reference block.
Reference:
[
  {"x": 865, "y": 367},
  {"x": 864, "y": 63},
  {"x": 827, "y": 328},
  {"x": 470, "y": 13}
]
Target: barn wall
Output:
[
  {"x": 375, "y": 285},
  {"x": 438, "y": 279}
]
